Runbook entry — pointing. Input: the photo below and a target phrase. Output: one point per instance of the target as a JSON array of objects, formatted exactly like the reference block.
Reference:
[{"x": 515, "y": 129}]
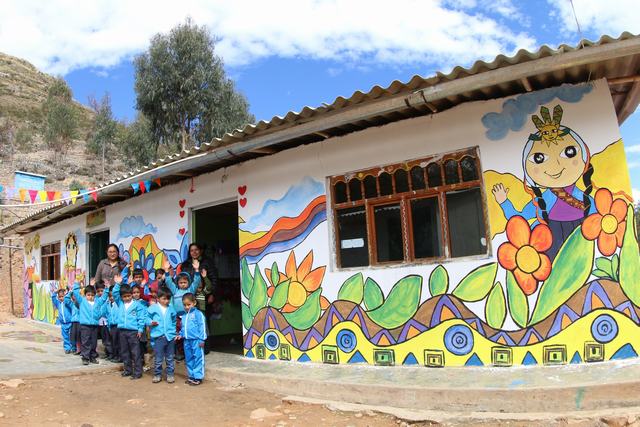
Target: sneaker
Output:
[
  {"x": 67, "y": 352},
  {"x": 85, "y": 361},
  {"x": 146, "y": 368},
  {"x": 135, "y": 377},
  {"x": 125, "y": 374},
  {"x": 171, "y": 379},
  {"x": 94, "y": 361},
  {"x": 156, "y": 379}
]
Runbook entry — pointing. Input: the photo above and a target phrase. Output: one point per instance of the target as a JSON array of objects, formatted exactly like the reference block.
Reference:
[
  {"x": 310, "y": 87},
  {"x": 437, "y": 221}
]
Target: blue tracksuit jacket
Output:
[
  {"x": 89, "y": 314},
  {"x": 132, "y": 318},
  {"x": 178, "y": 293},
  {"x": 194, "y": 332},
  {"x": 194, "y": 325},
  {"x": 166, "y": 322},
  {"x": 65, "y": 310}
]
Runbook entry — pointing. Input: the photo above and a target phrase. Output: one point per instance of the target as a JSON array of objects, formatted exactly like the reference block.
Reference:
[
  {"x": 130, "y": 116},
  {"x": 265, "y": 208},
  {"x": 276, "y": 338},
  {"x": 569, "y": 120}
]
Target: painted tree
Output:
[
  {"x": 103, "y": 132},
  {"x": 181, "y": 86},
  {"x": 60, "y": 119}
]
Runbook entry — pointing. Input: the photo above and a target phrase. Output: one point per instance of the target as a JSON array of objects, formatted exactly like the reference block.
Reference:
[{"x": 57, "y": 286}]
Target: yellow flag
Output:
[
  {"x": 23, "y": 194},
  {"x": 43, "y": 195},
  {"x": 74, "y": 195}
]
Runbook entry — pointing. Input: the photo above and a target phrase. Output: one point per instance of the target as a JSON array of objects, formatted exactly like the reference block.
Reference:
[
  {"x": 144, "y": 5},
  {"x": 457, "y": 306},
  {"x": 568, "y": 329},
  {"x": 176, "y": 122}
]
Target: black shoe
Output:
[
  {"x": 67, "y": 352},
  {"x": 194, "y": 382},
  {"x": 94, "y": 361},
  {"x": 125, "y": 374},
  {"x": 104, "y": 356},
  {"x": 77, "y": 353},
  {"x": 85, "y": 361},
  {"x": 135, "y": 377}
]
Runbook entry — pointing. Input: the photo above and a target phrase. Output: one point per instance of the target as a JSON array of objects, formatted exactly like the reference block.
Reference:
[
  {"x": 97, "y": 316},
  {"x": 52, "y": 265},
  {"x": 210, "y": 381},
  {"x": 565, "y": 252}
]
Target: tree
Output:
[
  {"x": 136, "y": 141},
  {"x": 182, "y": 88},
  {"x": 104, "y": 128},
  {"x": 61, "y": 121}
]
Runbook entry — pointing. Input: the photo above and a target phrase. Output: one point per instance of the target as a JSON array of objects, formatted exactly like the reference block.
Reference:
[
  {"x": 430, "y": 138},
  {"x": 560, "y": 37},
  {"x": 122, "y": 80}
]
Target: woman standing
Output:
[{"x": 112, "y": 265}]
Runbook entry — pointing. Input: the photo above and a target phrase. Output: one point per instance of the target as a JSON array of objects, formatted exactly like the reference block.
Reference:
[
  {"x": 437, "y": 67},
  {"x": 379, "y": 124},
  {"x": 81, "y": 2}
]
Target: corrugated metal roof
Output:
[{"x": 611, "y": 58}]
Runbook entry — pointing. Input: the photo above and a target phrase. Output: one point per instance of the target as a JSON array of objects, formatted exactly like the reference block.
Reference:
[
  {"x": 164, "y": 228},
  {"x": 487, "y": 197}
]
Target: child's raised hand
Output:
[
  {"x": 500, "y": 192},
  {"x": 117, "y": 278},
  {"x": 196, "y": 264},
  {"x": 166, "y": 265},
  {"x": 92, "y": 282},
  {"x": 130, "y": 279},
  {"x": 203, "y": 272}
]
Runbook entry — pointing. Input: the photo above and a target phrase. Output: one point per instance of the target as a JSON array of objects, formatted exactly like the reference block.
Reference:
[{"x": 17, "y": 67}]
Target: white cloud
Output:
[
  {"x": 598, "y": 16},
  {"x": 636, "y": 194},
  {"x": 59, "y": 36},
  {"x": 633, "y": 165},
  {"x": 632, "y": 148}
]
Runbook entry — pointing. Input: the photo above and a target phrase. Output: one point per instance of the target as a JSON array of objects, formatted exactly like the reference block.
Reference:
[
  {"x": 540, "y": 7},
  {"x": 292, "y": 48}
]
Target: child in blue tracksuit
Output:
[
  {"x": 132, "y": 316},
  {"x": 161, "y": 318},
  {"x": 193, "y": 333},
  {"x": 64, "y": 307},
  {"x": 90, "y": 310},
  {"x": 114, "y": 333},
  {"x": 75, "y": 325}
]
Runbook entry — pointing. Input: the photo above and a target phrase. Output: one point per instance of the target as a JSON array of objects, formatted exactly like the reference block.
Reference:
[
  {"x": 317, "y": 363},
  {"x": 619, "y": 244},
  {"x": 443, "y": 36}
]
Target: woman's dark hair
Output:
[
  {"x": 541, "y": 203},
  {"x": 197, "y": 245},
  {"x": 113, "y": 245},
  {"x": 588, "y": 185}
]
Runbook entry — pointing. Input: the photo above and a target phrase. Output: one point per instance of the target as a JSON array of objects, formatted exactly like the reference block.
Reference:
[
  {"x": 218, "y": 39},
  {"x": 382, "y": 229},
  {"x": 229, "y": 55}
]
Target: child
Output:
[
  {"x": 64, "y": 306},
  {"x": 136, "y": 293},
  {"x": 131, "y": 323},
  {"x": 90, "y": 309},
  {"x": 193, "y": 333},
  {"x": 114, "y": 333},
  {"x": 103, "y": 327},
  {"x": 162, "y": 320},
  {"x": 75, "y": 325}
]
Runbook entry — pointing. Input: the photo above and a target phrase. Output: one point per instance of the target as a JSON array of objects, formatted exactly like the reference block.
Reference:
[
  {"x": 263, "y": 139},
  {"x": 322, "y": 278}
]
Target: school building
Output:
[{"x": 479, "y": 217}]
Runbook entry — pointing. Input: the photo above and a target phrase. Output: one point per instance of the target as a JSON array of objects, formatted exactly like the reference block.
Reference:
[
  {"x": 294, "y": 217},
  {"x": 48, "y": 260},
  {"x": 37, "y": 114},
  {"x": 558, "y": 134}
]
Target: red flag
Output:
[
  {"x": 94, "y": 194},
  {"x": 143, "y": 188},
  {"x": 157, "y": 181},
  {"x": 32, "y": 195},
  {"x": 51, "y": 195}
]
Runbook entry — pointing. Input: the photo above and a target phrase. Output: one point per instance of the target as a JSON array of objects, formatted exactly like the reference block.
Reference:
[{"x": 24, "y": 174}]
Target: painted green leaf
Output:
[
  {"x": 352, "y": 289},
  {"x": 275, "y": 274},
  {"x": 438, "y": 281},
  {"x": 308, "y": 314},
  {"x": 569, "y": 272},
  {"x": 247, "y": 318},
  {"x": 615, "y": 265},
  {"x": 630, "y": 261},
  {"x": 258, "y": 296},
  {"x": 280, "y": 293},
  {"x": 601, "y": 274},
  {"x": 477, "y": 284},
  {"x": 495, "y": 310},
  {"x": 246, "y": 278},
  {"x": 518, "y": 302},
  {"x": 373, "y": 296},
  {"x": 604, "y": 264},
  {"x": 401, "y": 303}
]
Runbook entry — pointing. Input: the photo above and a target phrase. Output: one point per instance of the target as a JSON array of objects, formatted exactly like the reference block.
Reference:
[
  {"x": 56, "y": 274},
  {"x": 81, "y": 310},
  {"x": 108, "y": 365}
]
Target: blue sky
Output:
[{"x": 315, "y": 52}]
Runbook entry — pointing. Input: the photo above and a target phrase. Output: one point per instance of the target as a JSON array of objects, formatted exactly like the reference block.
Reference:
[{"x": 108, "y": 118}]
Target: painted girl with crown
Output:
[{"x": 554, "y": 159}]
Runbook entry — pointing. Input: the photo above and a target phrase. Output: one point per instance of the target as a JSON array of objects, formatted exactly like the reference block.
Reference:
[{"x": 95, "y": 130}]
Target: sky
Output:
[{"x": 287, "y": 54}]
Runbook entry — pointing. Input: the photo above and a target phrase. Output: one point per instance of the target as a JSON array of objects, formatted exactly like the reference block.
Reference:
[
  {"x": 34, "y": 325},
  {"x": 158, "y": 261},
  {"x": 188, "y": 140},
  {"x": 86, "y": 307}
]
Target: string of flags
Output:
[{"x": 144, "y": 186}]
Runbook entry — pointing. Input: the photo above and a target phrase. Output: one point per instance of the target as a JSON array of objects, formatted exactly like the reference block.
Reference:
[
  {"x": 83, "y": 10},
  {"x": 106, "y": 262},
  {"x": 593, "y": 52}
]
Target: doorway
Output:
[
  {"x": 97, "y": 248},
  {"x": 216, "y": 229}
]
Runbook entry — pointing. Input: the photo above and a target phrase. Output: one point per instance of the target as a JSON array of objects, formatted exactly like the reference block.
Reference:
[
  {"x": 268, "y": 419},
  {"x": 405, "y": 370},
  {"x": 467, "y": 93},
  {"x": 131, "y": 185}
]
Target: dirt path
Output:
[{"x": 106, "y": 399}]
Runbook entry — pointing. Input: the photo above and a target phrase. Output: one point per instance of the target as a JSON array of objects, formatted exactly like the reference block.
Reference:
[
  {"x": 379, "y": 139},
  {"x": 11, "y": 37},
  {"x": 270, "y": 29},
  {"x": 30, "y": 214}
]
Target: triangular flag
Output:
[
  {"x": 85, "y": 196},
  {"x": 1, "y": 188},
  {"x": 57, "y": 195},
  {"x": 147, "y": 184},
  {"x": 74, "y": 195},
  {"x": 143, "y": 186},
  {"x": 43, "y": 195},
  {"x": 51, "y": 195},
  {"x": 157, "y": 181},
  {"x": 32, "y": 195},
  {"x": 11, "y": 192},
  {"x": 23, "y": 194},
  {"x": 94, "y": 194},
  {"x": 65, "y": 197},
  {"x": 136, "y": 187}
]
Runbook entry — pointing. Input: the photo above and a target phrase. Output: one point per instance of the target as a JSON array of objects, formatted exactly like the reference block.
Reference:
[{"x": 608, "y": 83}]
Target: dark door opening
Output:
[
  {"x": 97, "y": 249},
  {"x": 216, "y": 229}
]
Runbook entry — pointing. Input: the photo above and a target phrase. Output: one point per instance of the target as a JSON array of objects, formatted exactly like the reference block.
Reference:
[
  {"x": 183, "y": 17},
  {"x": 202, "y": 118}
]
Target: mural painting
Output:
[
  {"x": 31, "y": 272},
  {"x": 560, "y": 289}
]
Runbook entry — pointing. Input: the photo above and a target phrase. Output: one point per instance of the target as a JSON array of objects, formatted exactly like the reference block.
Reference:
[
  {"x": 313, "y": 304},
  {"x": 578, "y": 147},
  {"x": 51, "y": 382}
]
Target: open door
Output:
[
  {"x": 216, "y": 229},
  {"x": 97, "y": 247}
]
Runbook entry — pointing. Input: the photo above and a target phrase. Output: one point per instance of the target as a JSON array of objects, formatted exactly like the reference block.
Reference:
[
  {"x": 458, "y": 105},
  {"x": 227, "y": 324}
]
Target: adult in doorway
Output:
[{"x": 110, "y": 266}]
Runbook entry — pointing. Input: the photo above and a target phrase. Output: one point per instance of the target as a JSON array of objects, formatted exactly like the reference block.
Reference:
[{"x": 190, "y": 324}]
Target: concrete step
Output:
[{"x": 538, "y": 389}]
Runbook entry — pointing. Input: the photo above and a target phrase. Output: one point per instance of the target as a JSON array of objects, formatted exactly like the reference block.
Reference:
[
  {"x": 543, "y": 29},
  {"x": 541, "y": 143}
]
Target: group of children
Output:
[{"x": 125, "y": 311}]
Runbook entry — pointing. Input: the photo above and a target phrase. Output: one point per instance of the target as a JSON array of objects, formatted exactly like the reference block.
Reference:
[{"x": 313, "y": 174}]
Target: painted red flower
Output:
[{"x": 608, "y": 224}]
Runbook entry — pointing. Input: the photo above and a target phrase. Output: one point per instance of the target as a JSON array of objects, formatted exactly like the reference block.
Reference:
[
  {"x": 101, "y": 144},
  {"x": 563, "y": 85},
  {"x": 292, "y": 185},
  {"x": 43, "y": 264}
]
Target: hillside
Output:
[{"x": 23, "y": 89}]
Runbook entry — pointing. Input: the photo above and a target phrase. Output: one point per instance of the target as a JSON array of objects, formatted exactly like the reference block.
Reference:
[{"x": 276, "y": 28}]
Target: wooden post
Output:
[{"x": 11, "y": 279}]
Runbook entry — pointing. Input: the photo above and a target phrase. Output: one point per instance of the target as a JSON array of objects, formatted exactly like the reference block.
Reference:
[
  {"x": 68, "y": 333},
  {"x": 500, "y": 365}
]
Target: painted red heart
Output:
[
  {"x": 243, "y": 202},
  {"x": 242, "y": 189},
  {"x": 182, "y": 231},
  {"x": 182, "y": 203},
  {"x": 181, "y": 214}
]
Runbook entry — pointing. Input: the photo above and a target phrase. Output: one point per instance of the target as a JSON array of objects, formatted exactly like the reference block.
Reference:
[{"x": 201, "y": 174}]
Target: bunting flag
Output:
[
  {"x": 26, "y": 195},
  {"x": 136, "y": 187},
  {"x": 66, "y": 195},
  {"x": 23, "y": 194},
  {"x": 51, "y": 196},
  {"x": 147, "y": 185},
  {"x": 32, "y": 195},
  {"x": 57, "y": 195},
  {"x": 94, "y": 194},
  {"x": 143, "y": 186},
  {"x": 42, "y": 195},
  {"x": 11, "y": 193},
  {"x": 74, "y": 196},
  {"x": 85, "y": 196},
  {"x": 157, "y": 181},
  {"x": 1, "y": 188}
]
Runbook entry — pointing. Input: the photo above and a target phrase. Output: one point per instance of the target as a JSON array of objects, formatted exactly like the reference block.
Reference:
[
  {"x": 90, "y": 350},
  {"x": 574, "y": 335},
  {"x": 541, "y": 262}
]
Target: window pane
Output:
[
  {"x": 388, "y": 233},
  {"x": 44, "y": 268},
  {"x": 425, "y": 215},
  {"x": 352, "y": 231},
  {"x": 354, "y": 190},
  {"x": 370, "y": 189},
  {"x": 469, "y": 171},
  {"x": 56, "y": 248},
  {"x": 402, "y": 181},
  {"x": 386, "y": 187},
  {"x": 466, "y": 223},
  {"x": 433, "y": 174},
  {"x": 340, "y": 192},
  {"x": 451, "y": 172},
  {"x": 45, "y": 250},
  {"x": 417, "y": 178}
]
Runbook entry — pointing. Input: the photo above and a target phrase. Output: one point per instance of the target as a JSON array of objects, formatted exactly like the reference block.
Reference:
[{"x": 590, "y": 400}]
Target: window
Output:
[
  {"x": 50, "y": 261},
  {"x": 420, "y": 210}
]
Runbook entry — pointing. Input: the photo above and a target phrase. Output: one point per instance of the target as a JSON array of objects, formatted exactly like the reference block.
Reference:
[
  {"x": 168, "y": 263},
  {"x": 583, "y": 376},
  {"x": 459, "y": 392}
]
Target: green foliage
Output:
[
  {"x": 477, "y": 284},
  {"x": 246, "y": 278},
  {"x": 24, "y": 139},
  {"x": 280, "y": 294},
  {"x": 247, "y": 318},
  {"x": 275, "y": 274},
  {"x": 352, "y": 289},
  {"x": 136, "y": 142},
  {"x": 571, "y": 269},
  {"x": 308, "y": 314},
  {"x": 373, "y": 297},
  {"x": 103, "y": 132},
  {"x": 495, "y": 309},
  {"x": 60, "y": 118},
  {"x": 630, "y": 260},
  {"x": 401, "y": 303},
  {"x": 182, "y": 88},
  {"x": 258, "y": 295},
  {"x": 607, "y": 268},
  {"x": 76, "y": 185},
  {"x": 518, "y": 302},
  {"x": 438, "y": 281}
]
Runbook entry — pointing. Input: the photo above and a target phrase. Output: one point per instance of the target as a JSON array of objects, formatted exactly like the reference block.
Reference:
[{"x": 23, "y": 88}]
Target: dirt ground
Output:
[{"x": 107, "y": 399}]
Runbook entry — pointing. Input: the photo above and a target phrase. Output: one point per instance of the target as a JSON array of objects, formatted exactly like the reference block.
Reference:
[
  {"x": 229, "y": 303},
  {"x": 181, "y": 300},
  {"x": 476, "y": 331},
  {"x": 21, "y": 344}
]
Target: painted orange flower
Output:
[
  {"x": 607, "y": 224},
  {"x": 523, "y": 253},
  {"x": 302, "y": 282}
]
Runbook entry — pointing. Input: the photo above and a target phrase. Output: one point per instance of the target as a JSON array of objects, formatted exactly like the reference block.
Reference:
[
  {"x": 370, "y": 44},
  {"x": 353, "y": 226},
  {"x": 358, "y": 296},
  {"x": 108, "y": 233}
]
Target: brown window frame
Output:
[
  {"x": 50, "y": 253},
  {"x": 404, "y": 199}
]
